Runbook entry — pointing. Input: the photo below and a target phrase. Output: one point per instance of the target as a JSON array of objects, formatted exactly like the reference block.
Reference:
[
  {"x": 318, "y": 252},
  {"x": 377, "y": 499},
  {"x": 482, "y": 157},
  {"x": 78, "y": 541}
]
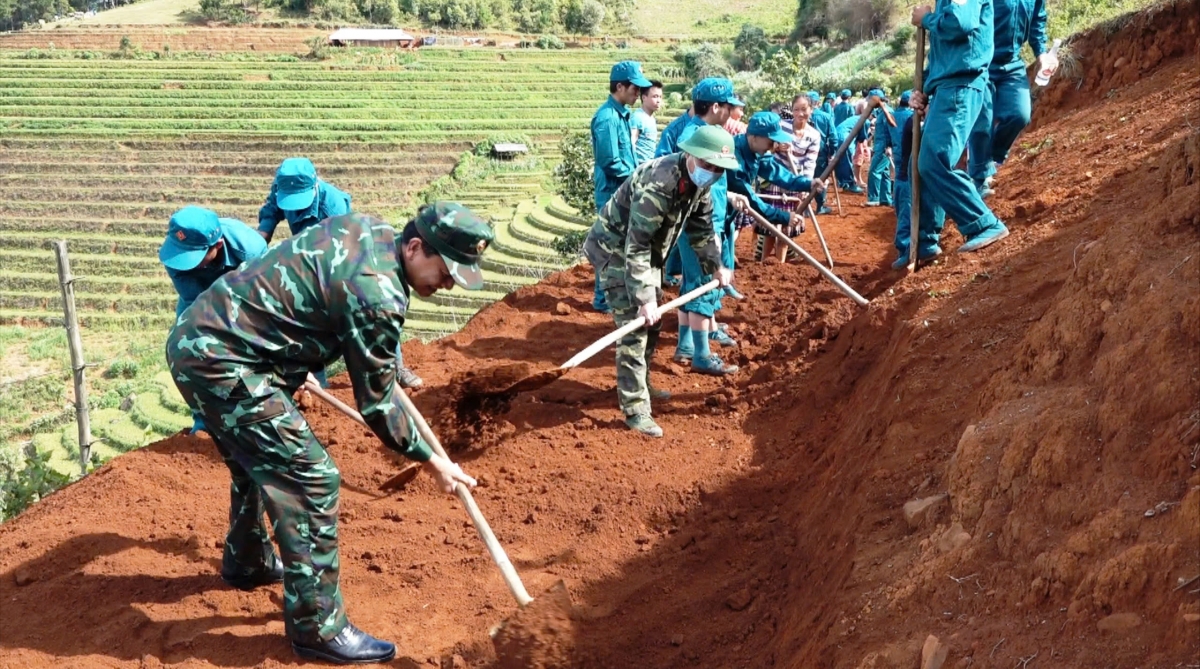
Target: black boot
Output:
[
  {"x": 249, "y": 580},
  {"x": 350, "y": 646}
]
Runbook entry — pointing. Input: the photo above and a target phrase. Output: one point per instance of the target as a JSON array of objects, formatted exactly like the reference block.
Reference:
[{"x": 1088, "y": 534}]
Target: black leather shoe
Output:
[
  {"x": 350, "y": 646},
  {"x": 251, "y": 580}
]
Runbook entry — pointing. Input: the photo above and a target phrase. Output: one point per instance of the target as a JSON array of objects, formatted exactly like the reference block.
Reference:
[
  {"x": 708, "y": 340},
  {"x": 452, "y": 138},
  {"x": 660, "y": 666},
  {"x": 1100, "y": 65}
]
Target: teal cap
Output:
[
  {"x": 631, "y": 71},
  {"x": 295, "y": 184},
  {"x": 459, "y": 236},
  {"x": 846, "y": 93},
  {"x": 830, "y": 96},
  {"x": 716, "y": 89},
  {"x": 713, "y": 145},
  {"x": 814, "y": 96},
  {"x": 905, "y": 97},
  {"x": 190, "y": 234},
  {"x": 769, "y": 125}
]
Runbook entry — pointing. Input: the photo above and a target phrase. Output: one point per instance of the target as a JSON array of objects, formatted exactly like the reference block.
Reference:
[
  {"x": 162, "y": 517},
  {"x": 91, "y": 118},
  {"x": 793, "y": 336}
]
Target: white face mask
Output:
[{"x": 701, "y": 177}]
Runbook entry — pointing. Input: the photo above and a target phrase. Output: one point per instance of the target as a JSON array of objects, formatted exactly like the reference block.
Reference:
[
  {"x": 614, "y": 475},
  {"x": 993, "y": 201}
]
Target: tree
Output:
[
  {"x": 535, "y": 16},
  {"x": 573, "y": 176},
  {"x": 783, "y": 76},
  {"x": 751, "y": 47},
  {"x": 583, "y": 17},
  {"x": 704, "y": 61}
]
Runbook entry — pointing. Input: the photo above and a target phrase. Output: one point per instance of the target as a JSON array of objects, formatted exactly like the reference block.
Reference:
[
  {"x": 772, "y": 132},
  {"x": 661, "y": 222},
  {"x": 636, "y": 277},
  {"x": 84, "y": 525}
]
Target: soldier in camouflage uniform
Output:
[
  {"x": 629, "y": 242},
  {"x": 244, "y": 347}
]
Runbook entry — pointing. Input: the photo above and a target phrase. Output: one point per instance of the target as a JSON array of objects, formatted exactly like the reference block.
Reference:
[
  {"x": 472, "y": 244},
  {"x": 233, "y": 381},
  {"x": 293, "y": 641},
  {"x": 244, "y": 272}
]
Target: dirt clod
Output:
[{"x": 539, "y": 636}]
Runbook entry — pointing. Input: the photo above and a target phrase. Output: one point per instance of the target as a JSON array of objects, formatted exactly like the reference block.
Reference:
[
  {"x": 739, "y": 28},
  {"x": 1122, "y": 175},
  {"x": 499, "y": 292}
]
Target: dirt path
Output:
[{"x": 1048, "y": 385}]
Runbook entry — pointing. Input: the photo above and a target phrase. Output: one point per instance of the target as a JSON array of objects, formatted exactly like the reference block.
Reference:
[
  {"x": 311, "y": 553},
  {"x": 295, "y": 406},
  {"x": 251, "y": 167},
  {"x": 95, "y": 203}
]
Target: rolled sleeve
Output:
[
  {"x": 269, "y": 216},
  {"x": 953, "y": 21}
]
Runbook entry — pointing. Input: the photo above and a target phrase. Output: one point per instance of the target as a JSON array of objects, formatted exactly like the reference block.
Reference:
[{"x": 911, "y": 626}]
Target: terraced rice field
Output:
[{"x": 101, "y": 152}]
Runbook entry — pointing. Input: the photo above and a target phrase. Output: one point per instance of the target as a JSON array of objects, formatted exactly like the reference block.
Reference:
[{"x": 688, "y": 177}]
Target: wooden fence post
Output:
[{"x": 67, "y": 281}]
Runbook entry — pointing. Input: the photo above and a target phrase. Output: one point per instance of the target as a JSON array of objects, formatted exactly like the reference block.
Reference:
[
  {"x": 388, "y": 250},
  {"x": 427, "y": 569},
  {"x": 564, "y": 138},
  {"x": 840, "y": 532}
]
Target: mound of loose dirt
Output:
[{"x": 1001, "y": 451}]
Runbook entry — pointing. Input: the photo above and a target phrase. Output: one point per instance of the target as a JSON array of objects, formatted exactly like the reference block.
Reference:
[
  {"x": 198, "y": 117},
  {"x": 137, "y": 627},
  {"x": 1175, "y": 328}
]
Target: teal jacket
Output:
[
  {"x": 896, "y": 135},
  {"x": 668, "y": 140},
  {"x": 842, "y": 111},
  {"x": 329, "y": 202},
  {"x": 1017, "y": 22},
  {"x": 242, "y": 243},
  {"x": 612, "y": 148},
  {"x": 960, "y": 43},
  {"x": 824, "y": 124},
  {"x": 751, "y": 168}
]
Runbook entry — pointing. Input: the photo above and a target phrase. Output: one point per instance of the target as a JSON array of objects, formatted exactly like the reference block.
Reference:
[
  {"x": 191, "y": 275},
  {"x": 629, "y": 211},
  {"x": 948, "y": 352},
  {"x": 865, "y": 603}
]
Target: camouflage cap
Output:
[
  {"x": 713, "y": 145},
  {"x": 459, "y": 236}
]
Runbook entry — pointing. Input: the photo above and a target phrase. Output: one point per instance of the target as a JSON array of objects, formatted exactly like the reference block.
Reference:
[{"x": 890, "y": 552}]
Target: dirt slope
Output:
[{"x": 1050, "y": 386}]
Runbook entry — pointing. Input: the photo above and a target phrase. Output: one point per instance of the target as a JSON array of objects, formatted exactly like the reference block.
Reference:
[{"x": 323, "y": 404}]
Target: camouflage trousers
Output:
[
  {"x": 634, "y": 350},
  {"x": 276, "y": 464}
]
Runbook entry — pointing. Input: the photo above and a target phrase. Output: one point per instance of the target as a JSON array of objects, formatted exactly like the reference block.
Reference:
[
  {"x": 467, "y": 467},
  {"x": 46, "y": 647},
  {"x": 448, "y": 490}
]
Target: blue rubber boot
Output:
[
  {"x": 722, "y": 338},
  {"x": 684, "y": 350},
  {"x": 704, "y": 362}
]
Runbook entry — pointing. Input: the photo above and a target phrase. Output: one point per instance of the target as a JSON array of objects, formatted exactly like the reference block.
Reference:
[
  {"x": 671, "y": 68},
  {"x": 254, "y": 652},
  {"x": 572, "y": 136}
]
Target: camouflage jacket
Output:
[
  {"x": 335, "y": 288},
  {"x": 641, "y": 222}
]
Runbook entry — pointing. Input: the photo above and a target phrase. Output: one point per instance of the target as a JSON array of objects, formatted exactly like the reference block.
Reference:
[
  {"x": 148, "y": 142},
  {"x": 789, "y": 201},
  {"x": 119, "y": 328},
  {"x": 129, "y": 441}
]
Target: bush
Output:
[
  {"x": 901, "y": 40},
  {"x": 549, "y": 42},
  {"x": 229, "y": 11},
  {"x": 573, "y": 176},
  {"x": 122, "y": 369},
  {"x": 21, "y": 488},
  {"x": 318, "y": 47},
  {"x": 583, "y": 17},
  {"x": 570, "y": 245},
  {"x": 705, "y": 60},
  {"x": 750, "y": 47}
]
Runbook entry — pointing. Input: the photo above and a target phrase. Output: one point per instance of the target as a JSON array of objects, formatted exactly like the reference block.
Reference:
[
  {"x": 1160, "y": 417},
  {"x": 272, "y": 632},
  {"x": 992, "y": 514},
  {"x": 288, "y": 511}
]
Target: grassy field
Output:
[
  {"x": 711, "y": 19},
  {"x": 148, "y": 12}
]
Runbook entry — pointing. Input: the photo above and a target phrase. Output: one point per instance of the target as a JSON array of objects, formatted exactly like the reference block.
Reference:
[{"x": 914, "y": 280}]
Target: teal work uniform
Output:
[
  {"x": 879, "y": 174},
  {"x": 245, "y": 346},
  {"x": 823, "y": 122},
  {"x": 612, "y": 147},
  {"x": 668, "y": 141},
  {"x": 1007, "y": 106},
  {"x": 329, "y": 202},
  {"x": 960, "y": 48},
  {"x": 242, "y": 243},
  {"x": 932, "y": 216},
  {"x": 628, "y": 245},
  {"x": 842, "y": 111},
  {"x": 845, "y": 167}
]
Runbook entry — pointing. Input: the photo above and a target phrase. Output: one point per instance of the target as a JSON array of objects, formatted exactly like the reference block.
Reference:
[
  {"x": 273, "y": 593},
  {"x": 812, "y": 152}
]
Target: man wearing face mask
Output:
[
  {"x": 664, "y": 198},
  {"x": 244, "y": 347}
]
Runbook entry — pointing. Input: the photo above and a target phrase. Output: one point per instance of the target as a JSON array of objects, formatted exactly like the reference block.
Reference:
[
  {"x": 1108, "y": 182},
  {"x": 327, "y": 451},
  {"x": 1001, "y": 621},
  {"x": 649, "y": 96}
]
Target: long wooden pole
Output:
[
  {"x": 914, "y": 177},
  {"x": 833, "y": 278},
  {"x": 872, "y": 102},
  {"x": 67, "y": 281},
  {"x": 507, "y": 571}
]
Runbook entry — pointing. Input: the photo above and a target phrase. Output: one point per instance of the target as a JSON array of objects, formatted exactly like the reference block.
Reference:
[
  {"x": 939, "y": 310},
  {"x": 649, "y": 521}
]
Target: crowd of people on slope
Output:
[{"x": 709, "y": 165}]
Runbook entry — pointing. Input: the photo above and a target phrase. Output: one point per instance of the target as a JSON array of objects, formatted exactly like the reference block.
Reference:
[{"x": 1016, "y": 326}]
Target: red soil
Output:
[{"x": 1049, "y": 385}]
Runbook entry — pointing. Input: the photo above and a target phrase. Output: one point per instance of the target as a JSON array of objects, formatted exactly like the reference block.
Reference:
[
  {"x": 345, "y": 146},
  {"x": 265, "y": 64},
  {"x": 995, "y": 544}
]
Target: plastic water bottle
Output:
[{"x": 1043, "y": 75}]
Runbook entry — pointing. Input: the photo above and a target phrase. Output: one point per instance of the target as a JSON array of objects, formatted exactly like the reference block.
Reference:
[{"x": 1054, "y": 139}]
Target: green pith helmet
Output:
[
  {"x": 712, "y": 145},
  {"x": 460, "y": 236}
]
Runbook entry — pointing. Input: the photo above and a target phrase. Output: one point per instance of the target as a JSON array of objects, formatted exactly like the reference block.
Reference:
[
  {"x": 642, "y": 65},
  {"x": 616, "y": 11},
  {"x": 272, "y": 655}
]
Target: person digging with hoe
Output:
[
  {"x": 629, "y": 242},
  {"x": 244, "y": 347}
]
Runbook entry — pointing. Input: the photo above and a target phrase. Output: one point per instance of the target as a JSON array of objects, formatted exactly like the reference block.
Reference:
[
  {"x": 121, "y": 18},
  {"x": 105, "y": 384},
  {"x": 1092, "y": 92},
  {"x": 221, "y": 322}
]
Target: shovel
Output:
[
  {"x": 551, "y": 620},
  {"x": 499, "y": 380}
]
